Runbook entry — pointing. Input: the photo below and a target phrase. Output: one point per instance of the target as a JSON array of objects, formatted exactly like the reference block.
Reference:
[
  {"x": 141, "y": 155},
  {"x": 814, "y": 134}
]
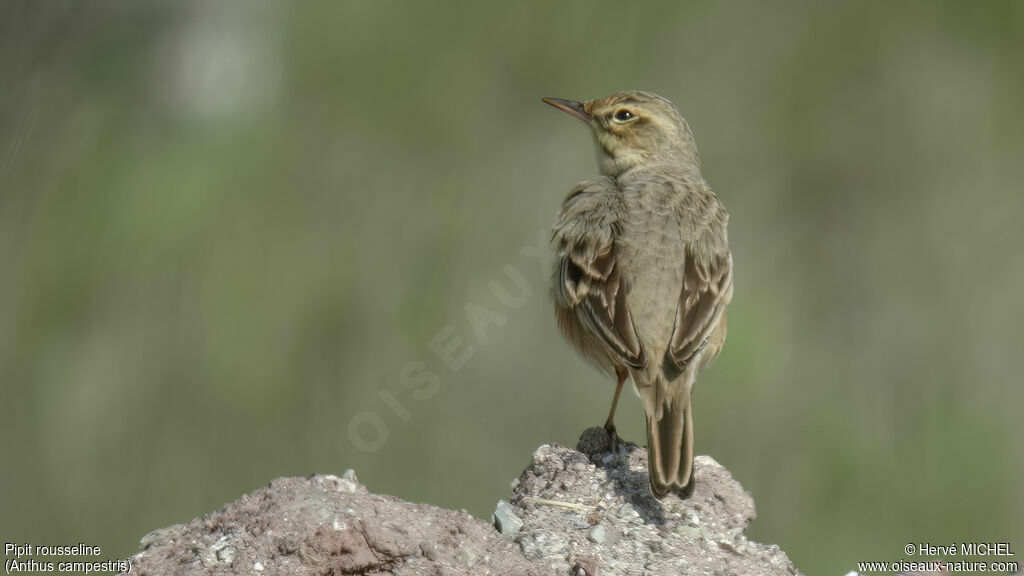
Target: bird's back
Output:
[{"x": 668, "y": 219}]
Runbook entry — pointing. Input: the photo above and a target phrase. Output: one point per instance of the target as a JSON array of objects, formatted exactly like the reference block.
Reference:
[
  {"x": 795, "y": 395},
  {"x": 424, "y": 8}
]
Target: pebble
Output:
[
  {"x": 628, "y": 513},
  {"x": 577, "y": 521},
  {"x": 466, "y": 557},
  {"x": 226, "y": 555},
  {"x": 544, "y": 544},
  {"x": 505, "y": 518}
]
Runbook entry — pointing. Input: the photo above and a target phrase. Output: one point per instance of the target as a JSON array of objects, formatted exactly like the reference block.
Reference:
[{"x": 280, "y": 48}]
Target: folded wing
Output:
[
  {"x": 707, "y": 289},
  {"x": 588, "y": 279}
]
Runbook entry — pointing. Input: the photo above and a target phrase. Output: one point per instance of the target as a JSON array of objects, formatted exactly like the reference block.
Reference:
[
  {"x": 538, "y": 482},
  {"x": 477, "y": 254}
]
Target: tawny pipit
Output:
[{"x": 644, "y": 272}]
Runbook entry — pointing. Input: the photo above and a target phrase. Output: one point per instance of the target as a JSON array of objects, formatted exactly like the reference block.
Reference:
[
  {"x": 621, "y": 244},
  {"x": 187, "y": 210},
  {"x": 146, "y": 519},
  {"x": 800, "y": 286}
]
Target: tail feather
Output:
[{"x": 670, "y": 449}]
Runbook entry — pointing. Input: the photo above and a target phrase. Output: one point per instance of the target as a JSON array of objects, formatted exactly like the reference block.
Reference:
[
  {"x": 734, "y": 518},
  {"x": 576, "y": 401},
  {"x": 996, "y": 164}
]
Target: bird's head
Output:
[{"x": 634, "y": 128}]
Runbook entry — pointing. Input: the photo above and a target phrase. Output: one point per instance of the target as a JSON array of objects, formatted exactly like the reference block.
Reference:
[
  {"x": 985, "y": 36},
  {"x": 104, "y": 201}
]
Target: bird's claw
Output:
[{"x": 613, "y": 438}]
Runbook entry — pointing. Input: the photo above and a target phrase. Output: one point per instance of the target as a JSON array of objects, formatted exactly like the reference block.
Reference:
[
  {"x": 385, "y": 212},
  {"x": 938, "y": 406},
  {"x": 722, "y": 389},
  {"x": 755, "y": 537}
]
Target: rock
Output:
[
  {"x": 633, "y": 533},
  {"x": 326, "y": 524},
  {"x": 505, "y": 519},
  {"x": 587, "y": 512}
]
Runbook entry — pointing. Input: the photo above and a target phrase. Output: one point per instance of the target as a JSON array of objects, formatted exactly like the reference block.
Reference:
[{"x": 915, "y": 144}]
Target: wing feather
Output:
[
  {"x": 707, "y": 289},
  {"x": 588, "y": 280}
]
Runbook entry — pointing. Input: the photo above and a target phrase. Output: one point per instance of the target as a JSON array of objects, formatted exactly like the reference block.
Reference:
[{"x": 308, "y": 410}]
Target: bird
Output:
[{"x": 643, "y": 270}]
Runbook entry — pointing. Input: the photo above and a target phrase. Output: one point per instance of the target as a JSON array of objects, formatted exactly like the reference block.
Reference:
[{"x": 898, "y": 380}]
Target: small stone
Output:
[
  {"x": 348, "y": 482},
  {"x": 216, "y": 552},
  {"x": 289, "y": 544},
  {"x": 226, "y": 555},
  {"x": 628, "y": 513},
  {"x": 505, "y": 518},
  {"x": 689, "y": 532},
  {"x": 597, "y": 534},
  {"x": 466, "y": 557},
  {"x": 544, "y": 544},
  {"x": 257, "y": 566},
  {"x": 431, "y": 550},
  {"x": 162, "y": 535},
  {"x": 585, "y": 567},
  {"x": 577, "y": 521}
]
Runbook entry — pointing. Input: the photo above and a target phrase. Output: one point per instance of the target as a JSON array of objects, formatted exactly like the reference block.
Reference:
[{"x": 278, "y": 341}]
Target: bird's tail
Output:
[{"x": 670, "y": 448}]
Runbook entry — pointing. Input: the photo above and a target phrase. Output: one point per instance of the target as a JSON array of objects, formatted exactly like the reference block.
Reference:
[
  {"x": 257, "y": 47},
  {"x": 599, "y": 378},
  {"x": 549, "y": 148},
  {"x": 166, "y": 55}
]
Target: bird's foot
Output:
[{"x": 613, "y": 438}]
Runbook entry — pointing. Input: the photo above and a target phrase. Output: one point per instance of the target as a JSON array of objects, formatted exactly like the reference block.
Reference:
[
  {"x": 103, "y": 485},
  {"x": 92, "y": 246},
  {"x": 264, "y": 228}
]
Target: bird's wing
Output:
[
  {"x": 707, "y": 289},
  {"x": 588, "y": 279}
]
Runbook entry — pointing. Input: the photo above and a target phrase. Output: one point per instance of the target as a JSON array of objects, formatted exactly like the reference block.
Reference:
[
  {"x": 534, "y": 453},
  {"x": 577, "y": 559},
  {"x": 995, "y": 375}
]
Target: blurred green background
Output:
[{"x": 225, "y": 228}]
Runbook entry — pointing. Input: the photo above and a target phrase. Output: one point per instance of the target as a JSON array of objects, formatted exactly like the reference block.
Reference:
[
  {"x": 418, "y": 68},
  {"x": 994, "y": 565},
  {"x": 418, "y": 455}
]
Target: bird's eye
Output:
[{"x": 623, "y": 116}]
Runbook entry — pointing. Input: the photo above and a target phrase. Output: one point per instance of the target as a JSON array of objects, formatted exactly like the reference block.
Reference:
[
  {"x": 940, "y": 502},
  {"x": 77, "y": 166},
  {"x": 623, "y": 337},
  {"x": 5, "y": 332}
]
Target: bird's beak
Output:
[{"x": 571, "y": 107}]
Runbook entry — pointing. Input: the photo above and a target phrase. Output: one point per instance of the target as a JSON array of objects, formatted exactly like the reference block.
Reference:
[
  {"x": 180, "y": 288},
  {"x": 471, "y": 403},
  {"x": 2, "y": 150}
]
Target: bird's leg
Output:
[{"x": 609, "y": 424}]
